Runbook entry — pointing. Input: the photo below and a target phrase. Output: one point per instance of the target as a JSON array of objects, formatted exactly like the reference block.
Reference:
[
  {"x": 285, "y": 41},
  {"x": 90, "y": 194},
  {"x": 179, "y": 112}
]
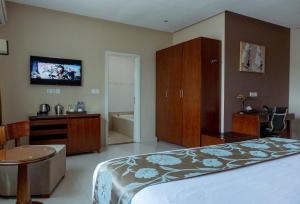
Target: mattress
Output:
[{"x": 274, "y": 182}]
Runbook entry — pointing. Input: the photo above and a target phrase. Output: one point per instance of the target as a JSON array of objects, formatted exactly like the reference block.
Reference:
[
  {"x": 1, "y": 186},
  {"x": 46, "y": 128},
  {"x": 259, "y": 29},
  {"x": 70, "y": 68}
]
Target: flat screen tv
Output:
[{"x": 55, "y": 71}]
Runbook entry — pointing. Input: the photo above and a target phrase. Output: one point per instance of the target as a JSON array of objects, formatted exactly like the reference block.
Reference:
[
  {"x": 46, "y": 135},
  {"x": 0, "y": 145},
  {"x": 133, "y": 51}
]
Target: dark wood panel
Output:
[
  {"x": 228, "y": 137},
  {"x": 210, "y": 90},
  {"x": 174, "y": 106},
  {"x": 162, "y": 81},
  {"x": 52, "y": 141},
  {"x": 36, "y": 133},
  {"x": 83, "y": 135},
  {"x": 48, "y": 122},
  {"x": 191, "y": 83},
  {"x": 246, "y": 124},
  {"x": 207, "y": 140}
]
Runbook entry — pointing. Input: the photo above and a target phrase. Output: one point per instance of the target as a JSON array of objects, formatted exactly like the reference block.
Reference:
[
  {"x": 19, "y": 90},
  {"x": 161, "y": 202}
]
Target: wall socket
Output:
[
  {"x": 95, "y": 91},
  {"x": 53, "y": 91},
  {"x": 253, "y": 94}
]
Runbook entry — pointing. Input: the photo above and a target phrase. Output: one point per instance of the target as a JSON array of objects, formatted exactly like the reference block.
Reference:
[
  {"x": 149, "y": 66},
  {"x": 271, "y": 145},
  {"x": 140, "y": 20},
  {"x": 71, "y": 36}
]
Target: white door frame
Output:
[{"x": 137, "y": 94}]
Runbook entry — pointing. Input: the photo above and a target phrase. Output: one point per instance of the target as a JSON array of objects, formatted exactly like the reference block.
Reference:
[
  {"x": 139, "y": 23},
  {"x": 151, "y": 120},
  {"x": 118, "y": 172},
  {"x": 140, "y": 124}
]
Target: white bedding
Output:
[{"x": 272, "y": 182}]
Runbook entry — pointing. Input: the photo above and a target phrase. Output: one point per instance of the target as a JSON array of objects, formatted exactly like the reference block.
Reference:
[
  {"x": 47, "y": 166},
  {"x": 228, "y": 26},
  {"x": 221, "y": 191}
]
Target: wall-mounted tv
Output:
[{"x": 55, "y": 71}]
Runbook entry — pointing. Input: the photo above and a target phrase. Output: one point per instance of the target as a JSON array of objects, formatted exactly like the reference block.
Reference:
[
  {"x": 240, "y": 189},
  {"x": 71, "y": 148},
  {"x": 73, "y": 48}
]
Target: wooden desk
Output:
[
  {"x": 250, "y": 123},
  {"x": 22, "y": 156}
]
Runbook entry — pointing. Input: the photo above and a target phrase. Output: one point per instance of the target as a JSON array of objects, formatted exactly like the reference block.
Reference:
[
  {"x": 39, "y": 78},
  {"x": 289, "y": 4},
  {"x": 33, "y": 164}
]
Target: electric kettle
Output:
[
  {"x": 44, "y": 109},
  {"x": 59, "y": 109}
]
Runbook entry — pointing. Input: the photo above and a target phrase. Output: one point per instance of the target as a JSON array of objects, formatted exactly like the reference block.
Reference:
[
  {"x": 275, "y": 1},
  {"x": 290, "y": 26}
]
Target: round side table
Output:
[{"x": 22, "y": 156}]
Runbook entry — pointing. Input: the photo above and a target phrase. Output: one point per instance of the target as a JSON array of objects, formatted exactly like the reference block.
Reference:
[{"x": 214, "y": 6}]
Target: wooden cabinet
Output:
[
  {"x": 79, "y": 132},
  {"x": 191, "y": 97},
  {"x": 188, "y": 91},
  {"x": 246, "y": 124},
  {"x": 162, "y": 78},
  {"x": 174, "y": 107},
  {"x": 83, "y": 134},
  {"x": 168, "y": 89}
]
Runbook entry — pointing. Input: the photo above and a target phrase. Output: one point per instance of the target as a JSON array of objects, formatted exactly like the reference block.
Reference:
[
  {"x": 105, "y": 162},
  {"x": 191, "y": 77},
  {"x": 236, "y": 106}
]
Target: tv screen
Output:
[{"x": 55, "y": 71}]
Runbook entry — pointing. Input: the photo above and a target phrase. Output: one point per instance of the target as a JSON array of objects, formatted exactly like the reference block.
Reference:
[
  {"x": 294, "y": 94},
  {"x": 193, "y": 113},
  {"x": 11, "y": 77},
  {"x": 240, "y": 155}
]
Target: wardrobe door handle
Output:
[
  {"x": 166, "y": 94},
  {"x": 213, "y": 61},
  {"x": 181, "y": 93}
]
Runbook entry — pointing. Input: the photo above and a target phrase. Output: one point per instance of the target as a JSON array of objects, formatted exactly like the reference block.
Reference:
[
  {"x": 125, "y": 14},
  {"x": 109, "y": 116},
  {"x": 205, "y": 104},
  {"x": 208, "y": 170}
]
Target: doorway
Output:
[{"x": 122, "y": 98}]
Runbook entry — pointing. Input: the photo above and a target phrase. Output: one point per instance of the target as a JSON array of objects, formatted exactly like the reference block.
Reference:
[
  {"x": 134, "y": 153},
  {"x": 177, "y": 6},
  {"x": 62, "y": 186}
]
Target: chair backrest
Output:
[
  {"x": 2, "y": 136},
  {"x": 278, "y": 119},
  {"x": 268, "y": 112},
  {"x": 15, "y": 131}
]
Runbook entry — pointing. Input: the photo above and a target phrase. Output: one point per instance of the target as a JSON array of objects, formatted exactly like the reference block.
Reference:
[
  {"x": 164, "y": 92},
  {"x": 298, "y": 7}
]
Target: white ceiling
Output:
[{"x": 179, "y": 13}]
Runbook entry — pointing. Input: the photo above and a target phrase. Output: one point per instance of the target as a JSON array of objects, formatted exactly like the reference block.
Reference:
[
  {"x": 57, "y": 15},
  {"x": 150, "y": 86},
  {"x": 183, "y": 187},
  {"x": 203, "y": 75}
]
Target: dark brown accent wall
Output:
[{"x": 273, "y": 85}]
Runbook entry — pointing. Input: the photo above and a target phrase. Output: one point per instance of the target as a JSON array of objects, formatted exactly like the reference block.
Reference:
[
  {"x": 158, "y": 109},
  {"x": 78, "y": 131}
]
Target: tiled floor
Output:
[
  {"x": 118, "y": 138},
  {"x": 76, "y": 187}
]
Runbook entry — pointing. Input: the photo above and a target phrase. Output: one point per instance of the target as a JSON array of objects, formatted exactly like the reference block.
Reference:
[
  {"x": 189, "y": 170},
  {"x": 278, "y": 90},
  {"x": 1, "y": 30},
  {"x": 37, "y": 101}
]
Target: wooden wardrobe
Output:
[{"x": 188, "y": 91}]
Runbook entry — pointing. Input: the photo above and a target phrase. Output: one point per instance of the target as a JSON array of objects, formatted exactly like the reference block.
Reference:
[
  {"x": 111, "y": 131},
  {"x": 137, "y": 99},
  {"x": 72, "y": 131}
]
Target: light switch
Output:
[
  {"x": 49, "y": 91},
  {"x": 95, "y": 91},
  {"x": 253, "y": 94}
]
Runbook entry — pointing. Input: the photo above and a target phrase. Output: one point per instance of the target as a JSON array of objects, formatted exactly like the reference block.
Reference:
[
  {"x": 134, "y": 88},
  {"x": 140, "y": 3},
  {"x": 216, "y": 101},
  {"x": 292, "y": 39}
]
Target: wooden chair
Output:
[
  {"x": 2, "y": 136},
  {"x": 53, "y": 169},
  {"x": 15, "y": 131}
]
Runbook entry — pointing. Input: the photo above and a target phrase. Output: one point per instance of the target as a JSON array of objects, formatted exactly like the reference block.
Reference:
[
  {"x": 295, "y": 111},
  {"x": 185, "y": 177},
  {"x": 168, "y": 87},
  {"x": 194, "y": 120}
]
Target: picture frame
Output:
[
  {"x": 4, "y": 49},
  {"x": 252, "y": 57}
]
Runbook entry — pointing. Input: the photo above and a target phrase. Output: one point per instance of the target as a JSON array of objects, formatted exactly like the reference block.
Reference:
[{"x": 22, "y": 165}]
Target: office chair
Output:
[
  {"x": 277, "y": 123},
  {"x": 267, "y": 112}
]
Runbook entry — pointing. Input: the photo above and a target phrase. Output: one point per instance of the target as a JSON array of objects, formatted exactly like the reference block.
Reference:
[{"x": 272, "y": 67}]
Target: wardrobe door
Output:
[
  {"x": 211, "y": 65},
  {"x": 191, "y": 82},
  {"x": 174, "y": 96},
  {"x": 162, "y": 81}
]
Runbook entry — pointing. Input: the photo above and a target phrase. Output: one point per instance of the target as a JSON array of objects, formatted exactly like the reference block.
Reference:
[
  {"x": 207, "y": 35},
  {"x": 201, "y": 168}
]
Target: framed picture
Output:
[
  {"x": 252, "y": 57},
  {"x": 3, "y": 47}
]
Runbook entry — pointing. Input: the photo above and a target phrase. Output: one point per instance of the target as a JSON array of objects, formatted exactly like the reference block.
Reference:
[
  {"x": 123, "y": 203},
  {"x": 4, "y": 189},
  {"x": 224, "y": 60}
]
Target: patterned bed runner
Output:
[{"x": 120, "y": 179}]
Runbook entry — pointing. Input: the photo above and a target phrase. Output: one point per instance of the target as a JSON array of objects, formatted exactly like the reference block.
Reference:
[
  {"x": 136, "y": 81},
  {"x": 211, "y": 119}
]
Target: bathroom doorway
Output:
[{"x": 122, "y": 98}]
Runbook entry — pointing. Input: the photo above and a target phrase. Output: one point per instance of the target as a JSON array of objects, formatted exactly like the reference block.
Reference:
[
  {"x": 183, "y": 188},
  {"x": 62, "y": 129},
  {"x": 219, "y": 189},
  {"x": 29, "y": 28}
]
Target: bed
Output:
[{"x": 274, "y": 180}]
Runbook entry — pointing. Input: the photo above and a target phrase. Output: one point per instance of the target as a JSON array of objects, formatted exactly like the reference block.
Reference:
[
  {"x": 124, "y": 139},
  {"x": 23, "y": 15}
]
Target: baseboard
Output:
[{"x": 148, "y": 139}]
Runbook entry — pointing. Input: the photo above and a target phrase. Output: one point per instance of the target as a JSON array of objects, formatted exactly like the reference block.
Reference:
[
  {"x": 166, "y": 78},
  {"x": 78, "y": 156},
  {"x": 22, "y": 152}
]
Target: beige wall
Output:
[
  {"x": 294, "y": 79},
  {"x": 36, "y": 31},
  {"x": 213, "y": 27}
]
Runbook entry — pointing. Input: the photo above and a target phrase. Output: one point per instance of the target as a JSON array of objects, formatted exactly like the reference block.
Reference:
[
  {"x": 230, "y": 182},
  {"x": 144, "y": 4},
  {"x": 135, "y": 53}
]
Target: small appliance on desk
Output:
[
  {"x": 44, "y": 109},
  {"x": 75, "y": 109},
  {"x": 80, "y": 107},
  {"x": 59, "y": 109}
]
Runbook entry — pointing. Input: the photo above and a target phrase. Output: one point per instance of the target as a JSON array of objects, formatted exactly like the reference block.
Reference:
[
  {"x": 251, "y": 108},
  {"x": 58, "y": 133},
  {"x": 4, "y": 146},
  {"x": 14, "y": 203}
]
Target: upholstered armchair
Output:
[{"x": 44, "y": 176}]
